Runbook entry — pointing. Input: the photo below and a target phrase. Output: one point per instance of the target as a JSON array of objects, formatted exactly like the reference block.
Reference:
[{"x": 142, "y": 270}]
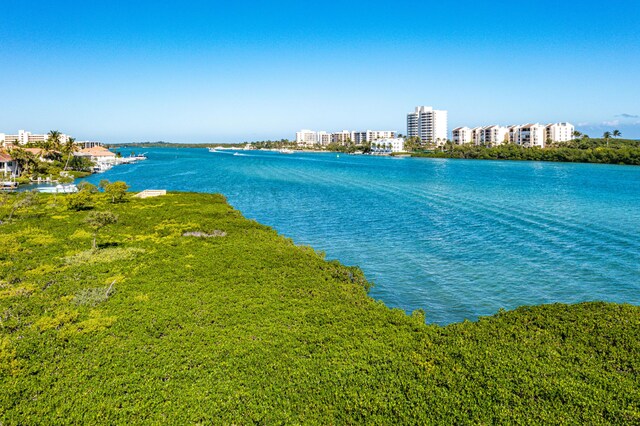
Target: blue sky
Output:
[{"x": 204, "y": 71}]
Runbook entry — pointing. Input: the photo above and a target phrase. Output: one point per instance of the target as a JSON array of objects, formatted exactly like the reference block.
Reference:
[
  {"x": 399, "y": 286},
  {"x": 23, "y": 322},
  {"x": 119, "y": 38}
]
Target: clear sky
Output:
[{"x": 206, "y": 71}]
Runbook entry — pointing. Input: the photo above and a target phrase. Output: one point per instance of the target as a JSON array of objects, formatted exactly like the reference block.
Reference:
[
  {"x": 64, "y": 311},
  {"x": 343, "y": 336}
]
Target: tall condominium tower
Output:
[{"x": 429, "y": 124}]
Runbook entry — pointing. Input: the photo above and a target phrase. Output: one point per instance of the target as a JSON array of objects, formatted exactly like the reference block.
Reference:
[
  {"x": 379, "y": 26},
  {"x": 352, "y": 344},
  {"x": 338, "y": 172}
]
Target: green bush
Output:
[
  {"x": 81, "y": 200},
  {"x": 251, "y": 328}
]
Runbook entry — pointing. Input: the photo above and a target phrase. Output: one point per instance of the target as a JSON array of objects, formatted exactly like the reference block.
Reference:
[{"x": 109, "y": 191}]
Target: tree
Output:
[
  {"x": 98, "y": 220},
  {"x": 116, "y": 190},
  {"x": 81, "y": 200},
  {"x": 87, "y": 186},
  {"x": 606, "y": 136},
  {"x": 81, "y": 164},
  {"x": 53, "y": 144},
  {"x": 23, "y": 201},
  {"x": 68, "y": 148},
  {"x": 576, "y": 134},
  {"x": 27, "y": 161},
  {"x": 616, "y": 133}
]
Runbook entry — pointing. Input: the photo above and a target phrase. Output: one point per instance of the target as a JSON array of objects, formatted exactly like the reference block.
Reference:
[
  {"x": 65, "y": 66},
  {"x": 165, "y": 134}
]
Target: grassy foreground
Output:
[{"x": 245, "y": 327}]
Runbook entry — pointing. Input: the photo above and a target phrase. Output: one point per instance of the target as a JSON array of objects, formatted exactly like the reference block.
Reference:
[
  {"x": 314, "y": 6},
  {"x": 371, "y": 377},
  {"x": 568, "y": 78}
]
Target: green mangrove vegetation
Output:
[
  {"x": 584, "y": 150},
  {"x": 182, "y": 311}
]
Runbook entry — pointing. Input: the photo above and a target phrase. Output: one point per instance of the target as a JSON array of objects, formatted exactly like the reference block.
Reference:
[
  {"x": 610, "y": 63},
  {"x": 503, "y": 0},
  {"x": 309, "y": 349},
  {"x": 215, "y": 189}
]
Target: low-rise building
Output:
[
  {"x": 87, "y": 144},
  {"x": 388, "y": 145},
  {"x": 369, "y": 136},
  {"x": 97, "y": 154},
  {"x": 23, "y": 137},
  {"x": 8, "y": 166}
]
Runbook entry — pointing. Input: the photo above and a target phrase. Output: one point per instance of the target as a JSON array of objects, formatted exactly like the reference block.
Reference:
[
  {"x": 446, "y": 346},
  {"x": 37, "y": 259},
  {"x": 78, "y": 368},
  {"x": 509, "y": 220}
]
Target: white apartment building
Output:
[
  {"x": 560, "y": 132},
  {"x": 323, "y": 138},
  {"x": 476, "y": 135},
  {"x": 306, "y": 137},
  {"x": 429, "y": 124},
  {"x": 87, "y": 144},
  {"x": 311, "y": 138},
  {"x": 527, "y": 135},
  {"x": 369, "y": 136},
  {"x": 532, "y": 134},
  {"x": 462, "y": 135},
  {"x": 388, "y": 145},
  {"x": 513, "y": 132},
  {"x": 23, "y": 137},
  {"x": 494, "y": 135},
  {"x": 342, "y": 137}
]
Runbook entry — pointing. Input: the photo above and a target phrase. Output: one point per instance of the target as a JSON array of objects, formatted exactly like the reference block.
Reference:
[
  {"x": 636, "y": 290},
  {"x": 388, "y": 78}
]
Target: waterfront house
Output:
[
  {"x": 388, "y": 145},
  {"x": 41, "y": 154},
  {"x": 8, "y": 166},
  {"x": 97, "y": 154}
]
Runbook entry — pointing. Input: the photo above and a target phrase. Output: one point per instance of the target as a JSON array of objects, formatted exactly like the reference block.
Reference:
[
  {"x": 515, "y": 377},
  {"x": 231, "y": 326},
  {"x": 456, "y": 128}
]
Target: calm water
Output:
[{"x": 459, "y": 239}]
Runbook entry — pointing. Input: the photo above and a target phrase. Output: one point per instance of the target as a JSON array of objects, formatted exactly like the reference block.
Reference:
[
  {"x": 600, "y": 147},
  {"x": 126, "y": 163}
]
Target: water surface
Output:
[{"x": 457, "y": 238}]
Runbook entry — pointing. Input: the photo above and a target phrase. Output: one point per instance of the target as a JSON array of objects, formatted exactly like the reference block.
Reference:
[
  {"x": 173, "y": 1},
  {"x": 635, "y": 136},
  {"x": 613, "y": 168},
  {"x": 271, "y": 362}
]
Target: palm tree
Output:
[
  {"x": 616, "y": 133},
  {"x": 607, "y": 136},
  {"x": 576, "y": 134},
  {"x": 27, "y": 162},
  {"x": 53, "y": 143},
  {"x": 68, "y": 149}
]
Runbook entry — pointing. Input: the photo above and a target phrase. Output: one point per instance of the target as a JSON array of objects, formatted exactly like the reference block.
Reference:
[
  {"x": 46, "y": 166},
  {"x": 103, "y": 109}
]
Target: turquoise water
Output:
[{"x": 459, "y": 239}]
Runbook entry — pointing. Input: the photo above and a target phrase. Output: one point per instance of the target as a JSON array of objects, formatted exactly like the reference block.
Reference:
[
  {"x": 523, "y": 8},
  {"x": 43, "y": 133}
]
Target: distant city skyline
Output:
[{"x": 210, "y": 72}]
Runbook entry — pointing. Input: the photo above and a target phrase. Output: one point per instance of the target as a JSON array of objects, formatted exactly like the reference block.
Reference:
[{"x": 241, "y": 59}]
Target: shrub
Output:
[
  {"x": 98, "y": 220},
  {"x": 116, "y": 190},
  {"x": 81, "y": 200}
]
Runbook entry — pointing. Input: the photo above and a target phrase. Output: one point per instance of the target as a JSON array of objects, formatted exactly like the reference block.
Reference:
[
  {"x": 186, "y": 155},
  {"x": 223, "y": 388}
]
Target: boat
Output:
[
  {"x": 102, "y": 167},
  {"x": 8, "y": 186},
  {"x": 286, "y": 151},
  {"x": 213, "y": 149},
  {"x": 58, "y": 189}
]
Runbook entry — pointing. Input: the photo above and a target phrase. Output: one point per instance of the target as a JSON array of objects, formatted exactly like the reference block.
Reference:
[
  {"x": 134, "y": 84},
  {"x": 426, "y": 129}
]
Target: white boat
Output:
[
  {"x": 102, "y": 167},
  {"x": 213, "y": 149},
  {"x": 8, "y": 186},
  {"x": 58, "y": 189},
  {"x": 286, "y": 151}
]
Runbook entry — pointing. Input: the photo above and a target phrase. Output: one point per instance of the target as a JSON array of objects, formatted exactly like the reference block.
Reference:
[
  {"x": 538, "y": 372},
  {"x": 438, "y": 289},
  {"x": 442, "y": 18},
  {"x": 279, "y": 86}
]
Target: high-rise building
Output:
[{"x": 429, "y": 124}]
